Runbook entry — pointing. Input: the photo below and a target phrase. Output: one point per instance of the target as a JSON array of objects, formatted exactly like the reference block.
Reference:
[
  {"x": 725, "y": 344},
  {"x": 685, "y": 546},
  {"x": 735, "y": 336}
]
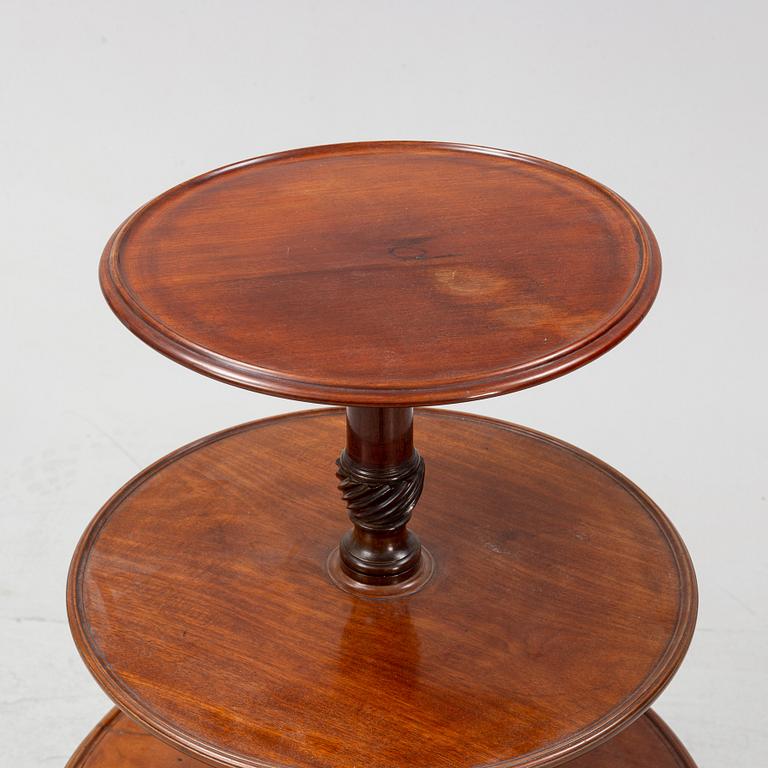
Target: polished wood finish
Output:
[
  {"x": 381, "y": 477},
  {"x": 550, "y": 601},
  {"x": 380, "y": 437},
  {"x": 117, "y": 742},
  {"x": 561, "y": 604},
  {"x": 384, "y": 273}
]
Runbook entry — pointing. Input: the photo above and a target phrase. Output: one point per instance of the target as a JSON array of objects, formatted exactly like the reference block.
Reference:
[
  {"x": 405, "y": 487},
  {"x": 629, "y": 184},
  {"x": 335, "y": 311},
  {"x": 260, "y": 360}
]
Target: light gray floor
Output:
[{"x": 105, "y": 104}]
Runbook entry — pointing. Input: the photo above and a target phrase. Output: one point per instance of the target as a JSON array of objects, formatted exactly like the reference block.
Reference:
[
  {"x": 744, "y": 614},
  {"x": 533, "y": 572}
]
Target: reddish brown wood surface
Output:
[
  {"x": 117, "y": 742},
  {"x": 392, "y": 273},
  {"x": 561, "y": 604},
  {"x": 381, "y": 477}
]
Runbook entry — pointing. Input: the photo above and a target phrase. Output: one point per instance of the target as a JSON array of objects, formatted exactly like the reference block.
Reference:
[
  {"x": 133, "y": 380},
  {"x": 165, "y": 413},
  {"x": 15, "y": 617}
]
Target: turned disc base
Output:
[{"x": 408, "y": 586}]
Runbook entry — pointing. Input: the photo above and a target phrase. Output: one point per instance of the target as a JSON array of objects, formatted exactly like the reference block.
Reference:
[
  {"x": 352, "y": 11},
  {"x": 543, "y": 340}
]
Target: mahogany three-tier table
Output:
[{"x": 537, "y": 602}]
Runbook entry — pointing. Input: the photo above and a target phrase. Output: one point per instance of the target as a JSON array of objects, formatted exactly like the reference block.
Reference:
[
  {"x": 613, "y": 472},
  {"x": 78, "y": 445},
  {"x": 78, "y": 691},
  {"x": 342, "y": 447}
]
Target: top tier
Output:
[{"x": 387, "y": 273}]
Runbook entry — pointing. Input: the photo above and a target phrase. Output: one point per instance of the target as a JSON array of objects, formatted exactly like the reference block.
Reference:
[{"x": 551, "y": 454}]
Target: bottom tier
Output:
[{"x": 117, "y": 742}]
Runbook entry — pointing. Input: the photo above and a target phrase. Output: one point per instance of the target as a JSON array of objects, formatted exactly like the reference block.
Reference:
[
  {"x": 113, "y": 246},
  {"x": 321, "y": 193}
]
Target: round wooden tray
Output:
[
  {"x": 561, "y": 604},
  {"x": 117, "y": 742},
  {"x": 389, "y": 273}
]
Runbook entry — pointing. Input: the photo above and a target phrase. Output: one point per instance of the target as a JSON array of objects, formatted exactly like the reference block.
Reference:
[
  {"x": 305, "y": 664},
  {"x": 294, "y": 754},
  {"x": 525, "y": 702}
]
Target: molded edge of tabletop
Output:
[{"x": 436, "y": 392}]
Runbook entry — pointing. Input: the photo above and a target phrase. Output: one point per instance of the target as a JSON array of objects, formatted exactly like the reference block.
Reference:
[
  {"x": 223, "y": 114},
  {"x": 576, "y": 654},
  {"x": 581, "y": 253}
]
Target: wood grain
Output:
[
  {"x": 381, "y": 477},
  {"x": 117, "y": 742},
  {"x": 385, "y": 273},
  {"x": 561, "y": 604}
]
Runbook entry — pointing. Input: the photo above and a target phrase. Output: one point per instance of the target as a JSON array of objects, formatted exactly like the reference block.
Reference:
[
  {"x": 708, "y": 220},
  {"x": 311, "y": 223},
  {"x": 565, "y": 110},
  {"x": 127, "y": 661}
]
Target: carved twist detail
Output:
[{"x": 380, "y": 499}]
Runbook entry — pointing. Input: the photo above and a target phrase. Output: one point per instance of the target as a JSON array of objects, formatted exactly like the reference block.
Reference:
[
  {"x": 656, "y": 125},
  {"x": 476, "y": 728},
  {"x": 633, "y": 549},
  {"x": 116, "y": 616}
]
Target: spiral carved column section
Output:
[{"x": 381, "y": 477}]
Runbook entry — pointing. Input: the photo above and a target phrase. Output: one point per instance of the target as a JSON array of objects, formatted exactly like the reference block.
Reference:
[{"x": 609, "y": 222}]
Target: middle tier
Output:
[{"x": 561, "y": 603}]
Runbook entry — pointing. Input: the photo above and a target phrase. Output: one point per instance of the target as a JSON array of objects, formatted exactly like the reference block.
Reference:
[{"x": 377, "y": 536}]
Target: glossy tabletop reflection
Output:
[{"x": 562, "y": 602}]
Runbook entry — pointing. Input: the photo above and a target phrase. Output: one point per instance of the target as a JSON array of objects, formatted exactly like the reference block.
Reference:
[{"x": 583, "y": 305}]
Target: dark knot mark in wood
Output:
[{"x": 380, "y": 500}]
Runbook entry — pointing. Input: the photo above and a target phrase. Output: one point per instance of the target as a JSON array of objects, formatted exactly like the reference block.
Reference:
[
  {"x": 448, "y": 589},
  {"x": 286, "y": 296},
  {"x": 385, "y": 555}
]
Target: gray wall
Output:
[{"x": 105, "y": 104}]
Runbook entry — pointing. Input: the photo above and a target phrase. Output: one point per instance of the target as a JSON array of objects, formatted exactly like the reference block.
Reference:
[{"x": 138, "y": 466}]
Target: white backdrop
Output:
[{"x": 105, "y": 104}]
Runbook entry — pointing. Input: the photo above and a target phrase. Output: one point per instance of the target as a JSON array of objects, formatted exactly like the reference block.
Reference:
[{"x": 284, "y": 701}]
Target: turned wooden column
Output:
[{"x": 381, "y": 476}]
